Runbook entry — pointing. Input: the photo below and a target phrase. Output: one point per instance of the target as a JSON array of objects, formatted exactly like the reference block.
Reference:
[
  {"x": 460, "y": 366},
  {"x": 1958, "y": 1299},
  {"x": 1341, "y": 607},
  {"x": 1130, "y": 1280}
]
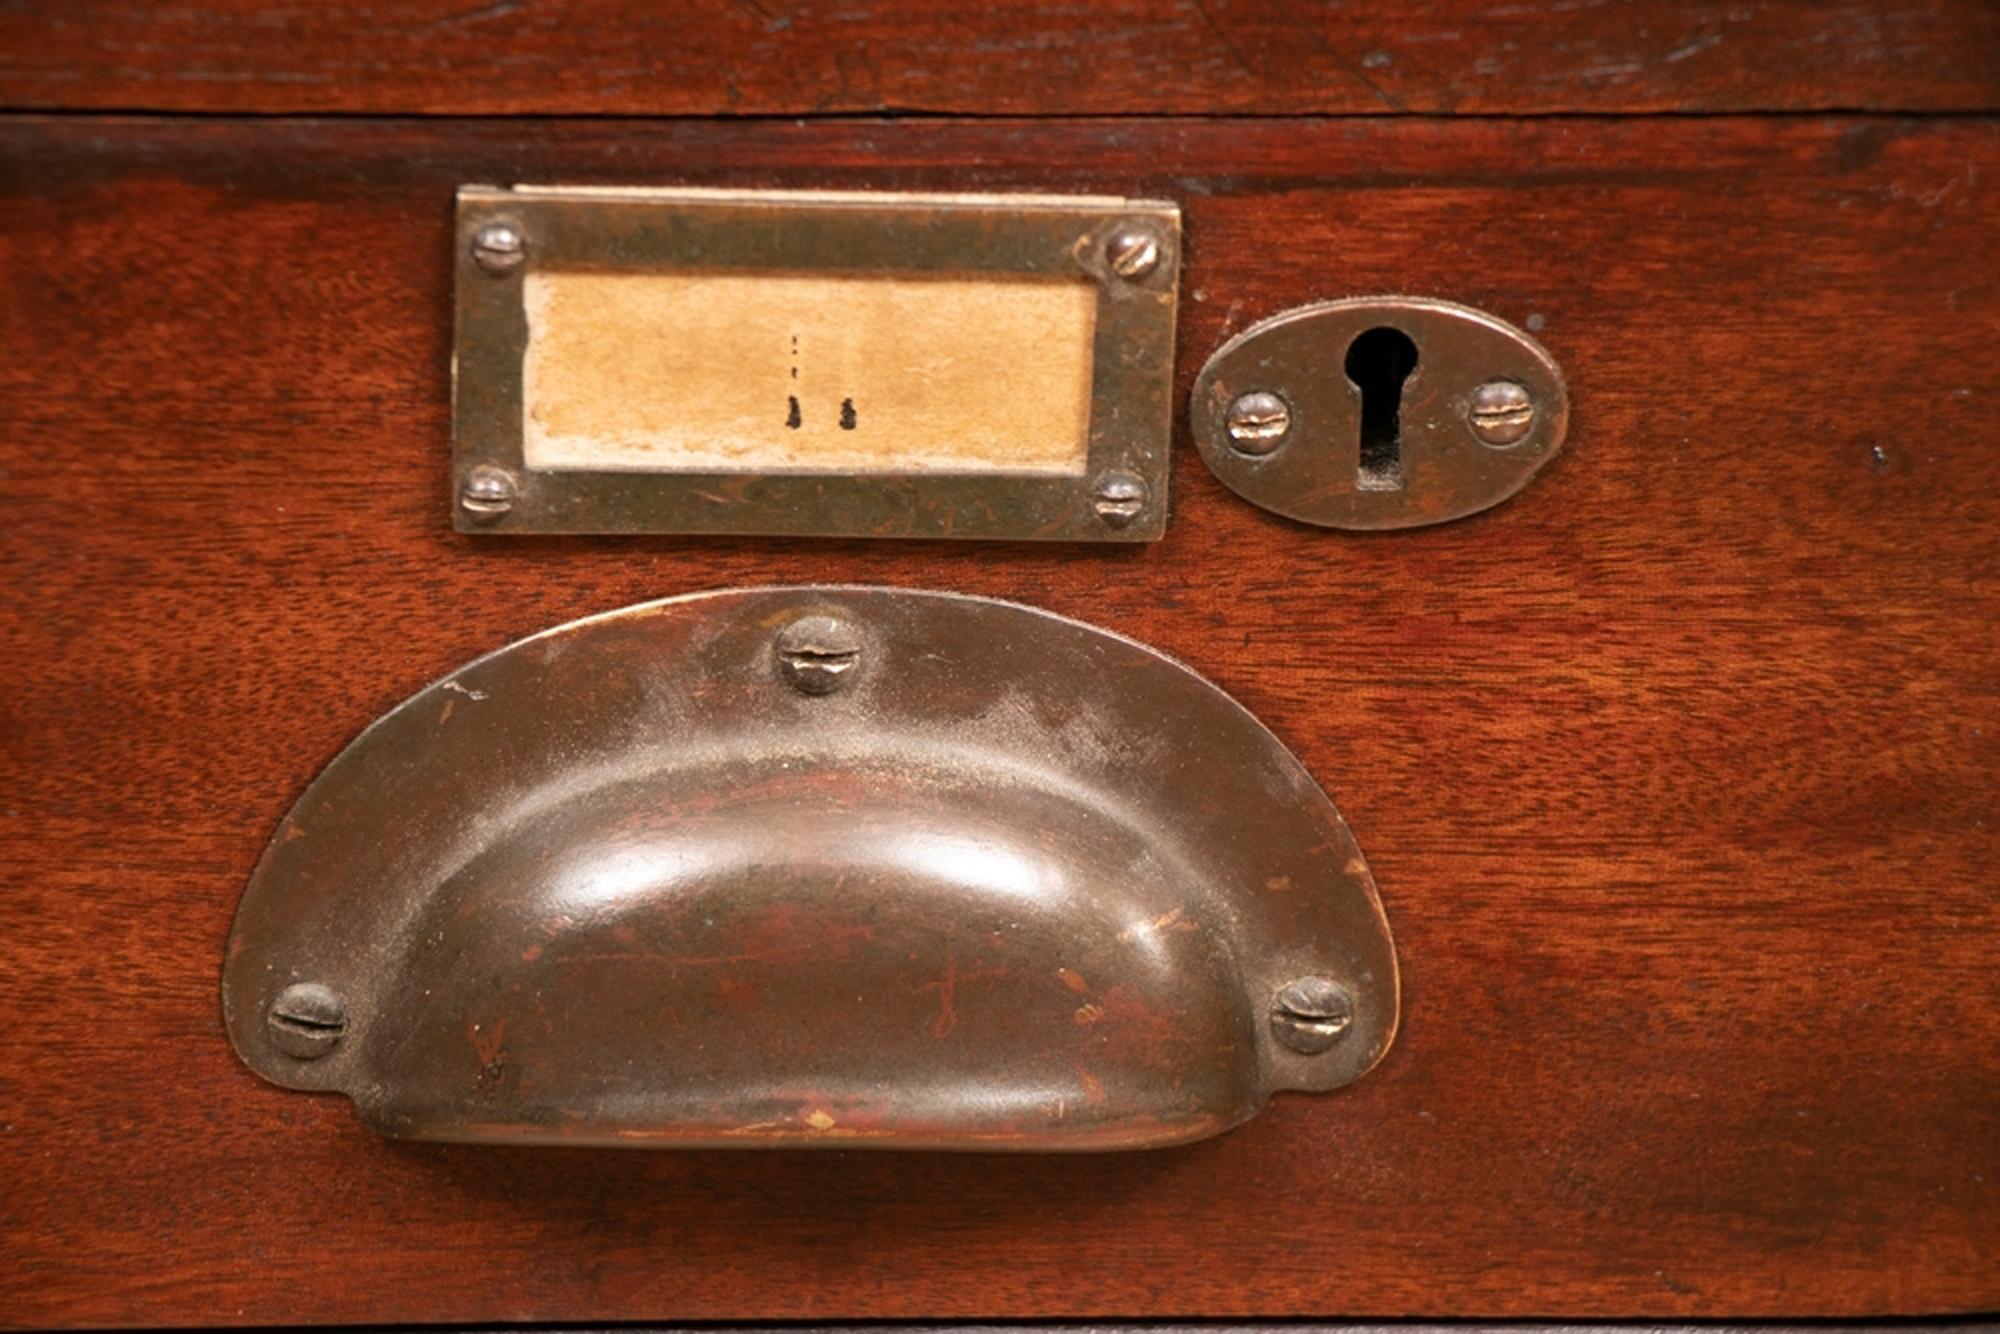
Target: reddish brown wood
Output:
[
  {"x": 1012, "y": 57},
  {"x": 1676, "y": 770}
]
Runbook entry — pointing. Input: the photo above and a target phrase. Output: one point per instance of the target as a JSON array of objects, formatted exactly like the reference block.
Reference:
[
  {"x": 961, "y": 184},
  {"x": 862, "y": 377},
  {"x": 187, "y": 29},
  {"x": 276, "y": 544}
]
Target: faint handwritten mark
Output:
[{"x": 795, "y": 417}]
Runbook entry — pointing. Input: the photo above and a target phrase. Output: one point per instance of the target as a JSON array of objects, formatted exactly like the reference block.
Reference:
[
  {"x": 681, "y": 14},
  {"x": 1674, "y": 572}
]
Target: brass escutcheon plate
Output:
[{"x": 1379, "y": 412}]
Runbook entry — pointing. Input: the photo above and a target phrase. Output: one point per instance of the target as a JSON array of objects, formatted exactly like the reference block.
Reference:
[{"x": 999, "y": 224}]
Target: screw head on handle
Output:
[
  {"x": 818, "y": 654},
  {"x": 306, "y": 1020},
  {"x": 1310, "y": 1014}
]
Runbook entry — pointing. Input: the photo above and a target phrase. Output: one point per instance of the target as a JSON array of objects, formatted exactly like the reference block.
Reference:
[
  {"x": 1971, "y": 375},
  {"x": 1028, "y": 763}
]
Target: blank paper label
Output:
[{"x": 696, "y": 371}]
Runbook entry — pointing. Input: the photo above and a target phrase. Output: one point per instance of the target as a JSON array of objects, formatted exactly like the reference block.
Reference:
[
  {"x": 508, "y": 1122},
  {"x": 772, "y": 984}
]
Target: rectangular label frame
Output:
[{"x": 1128, "y": 249}]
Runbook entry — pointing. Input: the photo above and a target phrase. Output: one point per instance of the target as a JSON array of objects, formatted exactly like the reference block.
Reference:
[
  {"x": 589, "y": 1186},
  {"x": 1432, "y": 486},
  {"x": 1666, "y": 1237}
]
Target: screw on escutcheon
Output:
[
  {"x": 1310, "y": 1014},
  {"x": 487, "y": 493},
  {"x": 1133, "y": 251},
  {"x": 499, "y": 247},
  {"x": 1500, "y": 412},
  {"x": 306, "y": 1020},
  {"x": 818, "y": 654},
  {"x": 1118, "y": 497},
  {"x": 1258, "y": 422}
]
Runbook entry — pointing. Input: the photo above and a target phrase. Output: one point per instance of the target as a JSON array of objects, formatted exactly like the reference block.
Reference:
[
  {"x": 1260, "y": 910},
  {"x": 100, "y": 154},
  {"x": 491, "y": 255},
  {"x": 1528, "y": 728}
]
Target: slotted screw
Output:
[
  {"x": 1258, "y": 423},
  {"x": 306, "y": 1020},
  {"x": 499, "y": 248},
  {"x": 1133, "y": 251},
  {"x": 487, "y": 493},
  {"x": 1118, "y": 498},
  {"x": 1501, "y": 412},
  {"x": 818, "y": 654},
  {"x": 1310, "y": 1014}
]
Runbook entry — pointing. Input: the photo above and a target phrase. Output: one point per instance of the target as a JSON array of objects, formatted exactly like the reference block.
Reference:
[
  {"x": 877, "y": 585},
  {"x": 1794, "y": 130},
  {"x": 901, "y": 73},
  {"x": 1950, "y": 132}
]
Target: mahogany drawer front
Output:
[
  {"x": 1003, "y": 57},
  {"x": 1676, "y": 770}
]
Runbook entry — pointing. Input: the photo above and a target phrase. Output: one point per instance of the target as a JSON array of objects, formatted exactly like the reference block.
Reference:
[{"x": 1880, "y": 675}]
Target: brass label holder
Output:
[{"x": 813, "y": 363}]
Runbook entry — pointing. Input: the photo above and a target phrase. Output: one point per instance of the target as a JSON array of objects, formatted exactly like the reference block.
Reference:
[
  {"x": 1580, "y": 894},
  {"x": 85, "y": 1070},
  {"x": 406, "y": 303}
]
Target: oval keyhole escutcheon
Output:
[{"x": 1379, "y": 412}]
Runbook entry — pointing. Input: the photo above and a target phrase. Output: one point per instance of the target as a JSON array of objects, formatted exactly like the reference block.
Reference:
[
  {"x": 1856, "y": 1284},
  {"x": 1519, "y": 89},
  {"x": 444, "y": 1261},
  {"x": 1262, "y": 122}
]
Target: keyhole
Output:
[{"x": 1378, "y": 362}]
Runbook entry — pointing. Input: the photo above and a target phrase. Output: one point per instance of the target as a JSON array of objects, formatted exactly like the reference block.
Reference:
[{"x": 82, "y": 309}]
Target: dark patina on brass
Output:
[
  {"x": 1128, "y": 250},
  {"x": 813, "y": 866},
  {"x": 1280, "y": 418}
]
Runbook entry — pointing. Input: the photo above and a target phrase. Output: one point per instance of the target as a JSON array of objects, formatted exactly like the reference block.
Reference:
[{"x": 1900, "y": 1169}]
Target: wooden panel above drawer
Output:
[
  {"x": 1676, "y": 771},
  {"x": 1016, "y": 57}
]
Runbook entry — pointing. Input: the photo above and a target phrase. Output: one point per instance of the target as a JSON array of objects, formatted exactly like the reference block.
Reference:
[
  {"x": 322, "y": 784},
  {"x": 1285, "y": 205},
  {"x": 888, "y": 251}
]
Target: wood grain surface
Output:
[
  {"x": 988, "y": 57},
  {"x": 1677, "y": 770}
]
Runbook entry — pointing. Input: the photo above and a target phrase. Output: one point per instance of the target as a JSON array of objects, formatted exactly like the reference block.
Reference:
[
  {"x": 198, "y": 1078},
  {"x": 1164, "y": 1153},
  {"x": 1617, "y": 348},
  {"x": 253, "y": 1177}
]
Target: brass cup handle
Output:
[{"x": 813, "y": 866}]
